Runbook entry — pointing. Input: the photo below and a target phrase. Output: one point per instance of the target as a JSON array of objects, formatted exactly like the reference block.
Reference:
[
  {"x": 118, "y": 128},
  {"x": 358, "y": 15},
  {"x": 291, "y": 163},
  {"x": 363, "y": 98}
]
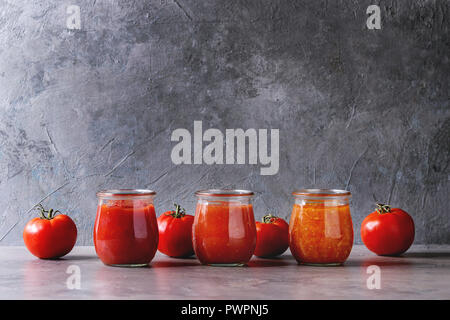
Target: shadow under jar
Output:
[
  {"x": 126, "y": 230},
  {"x": 224, "y": 230},
  {"x": 320, "y": 228}
]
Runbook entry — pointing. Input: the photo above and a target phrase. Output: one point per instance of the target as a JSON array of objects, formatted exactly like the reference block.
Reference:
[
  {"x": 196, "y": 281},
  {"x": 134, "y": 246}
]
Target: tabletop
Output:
[{"x": 421, "y": 273}]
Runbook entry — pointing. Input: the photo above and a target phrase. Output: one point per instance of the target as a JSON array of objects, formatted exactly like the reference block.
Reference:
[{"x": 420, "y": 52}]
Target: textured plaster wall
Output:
[{"x": 83, "y": 110}]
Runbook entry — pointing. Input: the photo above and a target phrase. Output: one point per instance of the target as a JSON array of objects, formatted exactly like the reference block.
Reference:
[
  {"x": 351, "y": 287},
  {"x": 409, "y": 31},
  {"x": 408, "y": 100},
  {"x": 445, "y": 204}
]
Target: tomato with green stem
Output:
[
  {"x": 175, "y": 233},
  {"x": 272, "y": 236},
  {"x": 388, "y": 231},
  {"x": 51, "y": 235}
]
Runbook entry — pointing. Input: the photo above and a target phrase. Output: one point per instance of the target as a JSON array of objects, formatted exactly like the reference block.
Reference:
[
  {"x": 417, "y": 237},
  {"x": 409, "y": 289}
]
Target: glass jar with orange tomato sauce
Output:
[
  {"x": 126, "y": 230},
  {"x": 320, "y": 228},
  {"x": 224, "y": 230}
]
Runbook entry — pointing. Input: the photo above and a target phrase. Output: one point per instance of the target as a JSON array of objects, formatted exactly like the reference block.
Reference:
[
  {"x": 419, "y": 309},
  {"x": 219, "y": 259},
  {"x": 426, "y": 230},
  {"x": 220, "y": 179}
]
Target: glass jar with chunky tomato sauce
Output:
[
  {"x": 320, "y": 229},
  {"x": 126, "y": 231},
  {"x": 224, "y": 231}
]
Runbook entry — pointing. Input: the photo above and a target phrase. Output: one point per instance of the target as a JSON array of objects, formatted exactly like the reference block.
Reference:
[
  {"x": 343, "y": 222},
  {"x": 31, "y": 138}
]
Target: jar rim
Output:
[
  {"x": 322, "y": 193},
  {"x": 224, "y": 193},
  {"x": 125, "y": 192}
]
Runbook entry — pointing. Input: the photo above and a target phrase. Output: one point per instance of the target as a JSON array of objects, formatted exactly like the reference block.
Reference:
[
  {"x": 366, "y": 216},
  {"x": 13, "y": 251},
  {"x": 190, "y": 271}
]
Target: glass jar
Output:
[
  {"x": 126, "y": 231},
  {"x": 224, "y": 231},
  {"x": 320, "y": 228}
]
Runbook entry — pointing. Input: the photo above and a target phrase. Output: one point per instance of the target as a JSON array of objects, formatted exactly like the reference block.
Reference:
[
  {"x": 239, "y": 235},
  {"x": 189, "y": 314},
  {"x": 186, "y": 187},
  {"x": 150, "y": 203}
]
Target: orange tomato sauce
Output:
[{"x": 321, "y": 234}]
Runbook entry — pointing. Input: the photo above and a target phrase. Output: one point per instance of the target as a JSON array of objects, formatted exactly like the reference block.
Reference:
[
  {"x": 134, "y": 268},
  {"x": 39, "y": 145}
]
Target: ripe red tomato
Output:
[
  {"x": 50, "y": 236},
  {"x": 272, "y": 237},
  {"x": 388, "y": 231},
  {"x": 175, "y": 233}
]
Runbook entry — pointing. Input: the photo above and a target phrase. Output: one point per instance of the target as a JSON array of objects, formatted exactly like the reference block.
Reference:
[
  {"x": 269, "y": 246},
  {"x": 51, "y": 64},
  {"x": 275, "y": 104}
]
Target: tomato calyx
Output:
[
  {"x": 269, "y": 218},
  {"x": 383, "y": 208},
  {"x": 50, "y": 212},
  {"x": 178, "y": 212}
]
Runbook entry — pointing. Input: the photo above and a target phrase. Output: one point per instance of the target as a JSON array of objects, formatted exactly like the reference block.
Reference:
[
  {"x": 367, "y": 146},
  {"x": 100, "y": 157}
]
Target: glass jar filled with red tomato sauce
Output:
[
  {"x": 320, "y": 228},
  {"x": 126, "y": 231},
  {"x": 224, "y": 230}
]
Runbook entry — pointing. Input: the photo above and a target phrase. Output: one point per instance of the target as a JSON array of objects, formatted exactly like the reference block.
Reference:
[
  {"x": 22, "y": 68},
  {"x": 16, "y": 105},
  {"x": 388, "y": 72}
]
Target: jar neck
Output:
[
  {"x": 325, "y": 201},
  {"x": 328, "y": 197},
  {"x": 113, "y": 197},
  {"x": 126, "y": 194},
  {"x": 224, "y": 196},
  {"x": 224, "y": 199}
]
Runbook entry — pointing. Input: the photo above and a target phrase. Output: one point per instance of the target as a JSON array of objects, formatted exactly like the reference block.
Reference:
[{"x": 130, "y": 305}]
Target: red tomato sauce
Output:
[
  {"x": 320, "y": 234},
  {"x": 125, "y": 232},
  {"x": 224, "y": 233}
]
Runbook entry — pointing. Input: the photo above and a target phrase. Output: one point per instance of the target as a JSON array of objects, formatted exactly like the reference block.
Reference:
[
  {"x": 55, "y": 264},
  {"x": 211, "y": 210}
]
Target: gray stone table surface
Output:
[{"x": 422, "y": 273}]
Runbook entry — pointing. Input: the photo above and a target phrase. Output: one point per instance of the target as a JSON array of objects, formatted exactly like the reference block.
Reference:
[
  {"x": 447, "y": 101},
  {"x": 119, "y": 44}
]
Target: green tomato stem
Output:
[
  {"x": 269, "y": 218},
  {"x": 383, "y": 208},
  {"x": 42, "y": 212}
]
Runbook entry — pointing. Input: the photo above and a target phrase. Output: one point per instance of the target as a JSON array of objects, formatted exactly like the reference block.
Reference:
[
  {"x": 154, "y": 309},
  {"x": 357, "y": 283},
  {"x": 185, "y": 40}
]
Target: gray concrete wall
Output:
[{"x": 88, "y": 109}]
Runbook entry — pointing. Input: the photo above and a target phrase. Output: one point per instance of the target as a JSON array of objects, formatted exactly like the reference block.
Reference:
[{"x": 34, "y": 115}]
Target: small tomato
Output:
[
  {"x": 50, "y": 236},
  {"x": 272, "y": 236},
  {"x": 175, "y": 233},
  {"x": 387, "y": 231}
]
